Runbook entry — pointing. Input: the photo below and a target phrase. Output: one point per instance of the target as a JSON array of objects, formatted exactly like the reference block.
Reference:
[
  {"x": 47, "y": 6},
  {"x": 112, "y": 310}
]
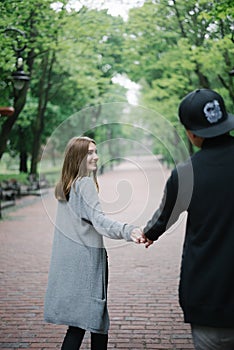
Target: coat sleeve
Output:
[
  {"x": 91, "y": 212},
  {"x": 167, "y": 213}
]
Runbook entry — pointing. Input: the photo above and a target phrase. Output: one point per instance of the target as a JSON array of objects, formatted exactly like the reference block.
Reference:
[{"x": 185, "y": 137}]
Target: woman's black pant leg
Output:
[
  {"x": 73, "y": 338},
  {"x": 99, "y": 341}
]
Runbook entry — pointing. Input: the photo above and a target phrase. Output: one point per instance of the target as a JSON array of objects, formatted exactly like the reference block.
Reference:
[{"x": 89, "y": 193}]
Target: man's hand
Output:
[{"x": 147, "y": 241}]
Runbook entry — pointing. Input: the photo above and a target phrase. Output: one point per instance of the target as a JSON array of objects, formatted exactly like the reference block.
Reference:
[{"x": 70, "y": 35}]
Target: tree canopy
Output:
[{"x": 169, "y": 47}]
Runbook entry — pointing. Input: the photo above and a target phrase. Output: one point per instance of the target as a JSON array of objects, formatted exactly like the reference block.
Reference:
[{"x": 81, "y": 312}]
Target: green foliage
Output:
[
  {"x": 169, "y": 47},
  {"x": 178, "y": 46},
  {"x": 85, "y": 47}
]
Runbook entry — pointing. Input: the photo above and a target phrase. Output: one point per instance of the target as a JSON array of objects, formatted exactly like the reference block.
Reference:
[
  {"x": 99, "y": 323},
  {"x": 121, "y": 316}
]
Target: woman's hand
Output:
[{"x": 138, "y": 236}]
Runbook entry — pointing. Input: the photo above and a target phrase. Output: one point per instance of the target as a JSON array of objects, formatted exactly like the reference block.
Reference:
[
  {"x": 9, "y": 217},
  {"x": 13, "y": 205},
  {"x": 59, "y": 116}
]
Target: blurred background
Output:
[{"x": 112, "y": 70}]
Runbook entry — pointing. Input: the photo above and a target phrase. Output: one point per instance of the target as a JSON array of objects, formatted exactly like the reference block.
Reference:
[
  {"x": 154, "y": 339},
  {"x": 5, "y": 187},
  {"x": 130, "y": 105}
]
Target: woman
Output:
[{"x": 77, "y": 285}]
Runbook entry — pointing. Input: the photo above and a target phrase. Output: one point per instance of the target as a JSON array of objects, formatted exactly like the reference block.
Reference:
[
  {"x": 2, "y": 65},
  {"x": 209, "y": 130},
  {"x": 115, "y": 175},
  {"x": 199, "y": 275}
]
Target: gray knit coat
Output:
[{"x": 77, "y": 283}]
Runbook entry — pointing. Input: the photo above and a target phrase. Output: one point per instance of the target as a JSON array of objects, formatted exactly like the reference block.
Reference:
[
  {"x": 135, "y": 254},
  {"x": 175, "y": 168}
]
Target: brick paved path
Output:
[{"x": 143, "y": 299}]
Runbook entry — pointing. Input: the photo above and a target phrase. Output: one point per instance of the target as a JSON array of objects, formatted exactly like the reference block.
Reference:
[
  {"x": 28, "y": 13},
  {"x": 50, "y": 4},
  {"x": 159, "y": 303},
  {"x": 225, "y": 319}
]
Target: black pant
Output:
[{"x": 75, "y": 335}]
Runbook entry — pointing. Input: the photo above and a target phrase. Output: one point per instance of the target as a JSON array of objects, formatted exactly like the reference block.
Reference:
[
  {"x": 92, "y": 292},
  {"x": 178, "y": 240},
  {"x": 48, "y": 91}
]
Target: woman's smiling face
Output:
[{"x": 92, "y": 157}]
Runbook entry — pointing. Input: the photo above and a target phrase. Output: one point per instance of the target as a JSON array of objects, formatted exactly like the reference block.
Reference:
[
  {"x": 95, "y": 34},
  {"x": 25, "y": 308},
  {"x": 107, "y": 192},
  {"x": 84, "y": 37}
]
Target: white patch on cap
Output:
[{"x": 212, "y": 111}]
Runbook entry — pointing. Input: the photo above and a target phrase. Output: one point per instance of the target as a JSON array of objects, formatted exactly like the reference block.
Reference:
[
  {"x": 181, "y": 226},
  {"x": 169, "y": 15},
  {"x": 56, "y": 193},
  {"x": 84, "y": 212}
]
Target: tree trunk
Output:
[
  {"x": 203, "y": 80},
  {"x": 180, "y": 22},
  {"x": 43, "y": 93},
  {"x": 35, "y": 150},
  {"x": 23, "y": 168},
  {"x": 227, "y": 81},
  {"x": 19, "y": 102},
  {"x": 23, "y": 162}
]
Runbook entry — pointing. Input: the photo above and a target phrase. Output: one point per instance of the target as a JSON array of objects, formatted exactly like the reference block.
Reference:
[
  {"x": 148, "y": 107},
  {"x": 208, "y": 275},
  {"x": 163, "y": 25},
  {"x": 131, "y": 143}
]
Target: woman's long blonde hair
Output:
[{"x": 74, "y": 166}]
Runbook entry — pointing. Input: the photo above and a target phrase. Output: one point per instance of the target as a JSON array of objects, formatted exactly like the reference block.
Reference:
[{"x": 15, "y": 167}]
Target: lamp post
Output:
[
  {"x": 20, "y": 82},
  {"x": 19, "y": 77}
]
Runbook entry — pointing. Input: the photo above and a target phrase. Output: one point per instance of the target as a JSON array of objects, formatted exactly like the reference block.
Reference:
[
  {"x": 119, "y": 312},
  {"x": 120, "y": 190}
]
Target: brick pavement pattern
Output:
[{"x": 143, "y": 283}]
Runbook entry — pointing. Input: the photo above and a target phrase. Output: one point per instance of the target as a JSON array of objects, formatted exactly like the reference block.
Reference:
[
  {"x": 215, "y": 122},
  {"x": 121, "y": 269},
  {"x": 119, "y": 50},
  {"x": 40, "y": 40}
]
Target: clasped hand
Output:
[{"x": 138, "y": 237}]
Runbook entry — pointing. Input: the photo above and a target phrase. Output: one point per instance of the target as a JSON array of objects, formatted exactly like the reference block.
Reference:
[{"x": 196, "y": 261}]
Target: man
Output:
[{"x": 204, "y": 187}]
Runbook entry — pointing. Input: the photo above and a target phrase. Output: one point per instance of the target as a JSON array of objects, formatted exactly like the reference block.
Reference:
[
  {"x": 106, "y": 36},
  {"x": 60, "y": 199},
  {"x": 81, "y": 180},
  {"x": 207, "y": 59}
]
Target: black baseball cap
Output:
[{"x": 204, "y": 113}]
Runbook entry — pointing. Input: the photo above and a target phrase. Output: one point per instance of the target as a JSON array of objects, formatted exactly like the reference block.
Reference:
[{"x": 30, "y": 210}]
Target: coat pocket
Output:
[{"x": 99, "y": 314}]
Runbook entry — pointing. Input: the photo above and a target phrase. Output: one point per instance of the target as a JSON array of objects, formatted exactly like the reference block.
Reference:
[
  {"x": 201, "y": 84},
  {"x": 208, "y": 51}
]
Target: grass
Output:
[
  {"x": 51, "y": 176},
  {"x": 22, "y": 177}
]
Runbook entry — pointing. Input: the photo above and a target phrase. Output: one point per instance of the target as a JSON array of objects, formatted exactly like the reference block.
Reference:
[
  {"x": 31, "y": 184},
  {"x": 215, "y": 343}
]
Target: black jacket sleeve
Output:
[{"x": 168, "y": 211}]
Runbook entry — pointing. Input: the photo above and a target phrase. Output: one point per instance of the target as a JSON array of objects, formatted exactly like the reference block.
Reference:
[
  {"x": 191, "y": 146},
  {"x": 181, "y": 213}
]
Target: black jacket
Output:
[{"x": 204, "y": 186}]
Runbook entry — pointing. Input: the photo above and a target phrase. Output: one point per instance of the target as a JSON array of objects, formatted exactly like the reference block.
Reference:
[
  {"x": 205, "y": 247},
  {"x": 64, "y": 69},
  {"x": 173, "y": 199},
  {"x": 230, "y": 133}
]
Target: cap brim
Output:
[{"x": 218, "y": 129}]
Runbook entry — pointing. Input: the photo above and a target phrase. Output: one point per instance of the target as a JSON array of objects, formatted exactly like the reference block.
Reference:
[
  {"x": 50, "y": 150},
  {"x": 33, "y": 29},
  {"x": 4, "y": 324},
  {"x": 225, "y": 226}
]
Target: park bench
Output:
[
  {"x": 9, "y": 190},
  {"x": 35, "y": 186}
]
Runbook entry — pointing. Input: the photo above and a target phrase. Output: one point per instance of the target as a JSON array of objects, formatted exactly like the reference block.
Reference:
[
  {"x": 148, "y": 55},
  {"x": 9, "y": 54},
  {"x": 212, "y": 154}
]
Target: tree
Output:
[
  {"x": 19, "y": 98},
  {"x": 174, "y": 46},
  {"x": 67, "y": 60},
  {"x": 168, "y": 46},
  {"x": 32, "y": 18}
]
